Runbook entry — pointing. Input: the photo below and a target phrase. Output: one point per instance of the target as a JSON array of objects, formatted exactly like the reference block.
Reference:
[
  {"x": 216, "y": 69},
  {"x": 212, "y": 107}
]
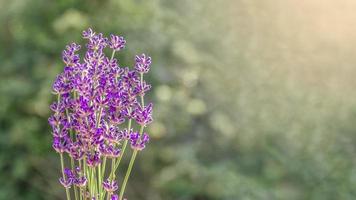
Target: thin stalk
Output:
[
  {"x": 95, "y": 184},
  {"x": 62, "y": 165},
  {"x": 124, "y": 146},
  {"x": 120, "y": 157},
  {"x": 122, "y": 190},
  {"x": 80, "y": 189},
  {"x": 80, "y": 193},
  {"x": 99, "y": 179},
  {"x": 98, "y": 117},
  {"x": 91, "y": 182},
  {"x": 112, "y": 168},
  {"x": 103, "y": 169},
  {"x": 74, "y": 187},
  {"x": 128, "y": 172},
  {"x": 112, "y": 55},
  {"x": 86, "y": 173}
]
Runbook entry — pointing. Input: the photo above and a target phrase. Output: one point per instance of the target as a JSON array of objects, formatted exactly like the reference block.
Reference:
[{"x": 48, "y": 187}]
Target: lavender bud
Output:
[
  {"x": 143, "y": 63},
  {"x": 114, "y": 197},
  {"x": 87, "y": 34},
  {"x": 116, "y": 42},
  {"x": 138, "y": 142},
  {"x": 143, "y": 115},
  {"x": 110, "y": 186},
  {"x": 67, "y": 183},
  {"x": 80, "y": 181}
]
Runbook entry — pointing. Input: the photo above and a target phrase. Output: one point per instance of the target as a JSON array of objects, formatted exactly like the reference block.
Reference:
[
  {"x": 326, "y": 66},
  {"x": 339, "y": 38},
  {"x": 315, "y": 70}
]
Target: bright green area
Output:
[{"x": 254, "y": 100}]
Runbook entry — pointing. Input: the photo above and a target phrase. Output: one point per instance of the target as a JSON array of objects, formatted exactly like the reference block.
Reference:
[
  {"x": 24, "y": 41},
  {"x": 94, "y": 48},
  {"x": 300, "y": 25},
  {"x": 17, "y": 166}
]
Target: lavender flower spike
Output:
[
  {"x": 143, "y": 115},
  {"x": 116, "y": 42},
  {"x": 143, "y": 63},
  {"x": 67, "y": 180},
  {"x": 110, "y": 186},
  {"x": 138, "y": 142}
]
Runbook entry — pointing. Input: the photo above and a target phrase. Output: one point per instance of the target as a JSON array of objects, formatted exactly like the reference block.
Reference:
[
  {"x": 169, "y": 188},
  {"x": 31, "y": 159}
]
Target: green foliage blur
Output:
[{"x": 254, "y": 100}]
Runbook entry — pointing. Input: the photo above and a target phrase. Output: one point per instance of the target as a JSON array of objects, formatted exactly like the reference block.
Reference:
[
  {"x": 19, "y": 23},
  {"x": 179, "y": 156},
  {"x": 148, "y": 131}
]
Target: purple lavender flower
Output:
[
  {"x": 93, "y": 159},
  {"x": 111, "y": 134},
  {"x": 124, "y": 134},
  {"x": 68, "y": 178},
  {"x": 87, "y": 34},
  {"x": 69, "y": 57},
  {"x": 61, "y": 144},
  {"x": 141, "y": 88},
  {"x": 61, "y": 84},
  {"x": 138, "y": 142},
  {"x": 143, "y": 63},
  {"x": 75, "y": 151},
  {"x": 114, "y": 197},
  {"x": 116, "y": 42},
  {"x": 57, "y": 107},
  {"x": 143, "y": 115},
  {"x": 94, "y": 96},
  {"x": 67, "y": 183},
  {"x": 97, "y": 43},
  {"x": 109, "y": 151},
  {"x": 80, "y": 181},
  {"x": 115, "y": 114},
  {"x": 110, "y": 185}
]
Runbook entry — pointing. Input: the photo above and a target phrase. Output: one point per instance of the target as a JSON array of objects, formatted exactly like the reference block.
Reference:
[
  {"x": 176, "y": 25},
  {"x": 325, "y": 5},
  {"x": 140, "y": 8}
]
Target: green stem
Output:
[
  {"x": 122, "y": 190},
  {"x": 112, "y": 168},
  {"x": 91, "y": 182},
  {"x": 113, "y": 54},
  {"x": 80, "y": 189},
  {"x": 103, "y": 169},
  {"x": 98, "y": 117},
  {"x": 99, "y": 180},
  {"x": 102, "y": 195},
  {"x": 120, "y": 157},
  {"x": 64, "y": 177},
  {"x": 74, "y": 187},
  {"x": 124, "y": 146},
  {"x": 128, "y": 172},
  {"x": 86, "y": 173},
  {"x": 95, "y": 184}
]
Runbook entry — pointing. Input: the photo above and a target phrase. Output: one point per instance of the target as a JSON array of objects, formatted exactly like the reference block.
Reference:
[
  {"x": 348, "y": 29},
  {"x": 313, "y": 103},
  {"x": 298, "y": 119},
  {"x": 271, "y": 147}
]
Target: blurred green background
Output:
[{"x": 254, "y": 100}]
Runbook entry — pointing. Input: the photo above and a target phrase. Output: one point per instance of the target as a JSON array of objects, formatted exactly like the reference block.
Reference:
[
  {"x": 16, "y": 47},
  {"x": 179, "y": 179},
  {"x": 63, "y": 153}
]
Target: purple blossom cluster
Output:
[
  {"x": 73, "y": 178},
  {"x": 110, "y": 185},
  {"x": 95, "y": 97}
]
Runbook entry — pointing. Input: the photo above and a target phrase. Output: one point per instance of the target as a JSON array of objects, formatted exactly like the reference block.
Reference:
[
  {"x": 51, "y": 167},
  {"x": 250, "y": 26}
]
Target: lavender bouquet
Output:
[{"x": 98, "y": 104}]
